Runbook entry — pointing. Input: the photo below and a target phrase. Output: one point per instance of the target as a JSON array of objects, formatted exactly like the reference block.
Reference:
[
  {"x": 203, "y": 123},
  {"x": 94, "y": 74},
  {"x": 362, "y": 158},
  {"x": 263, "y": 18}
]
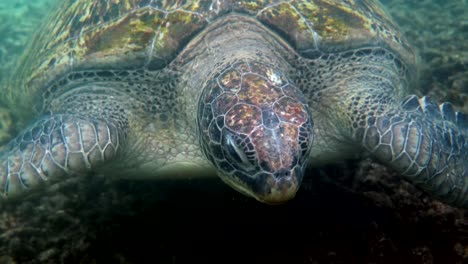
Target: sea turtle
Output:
[{"x": 255, "y": 90}]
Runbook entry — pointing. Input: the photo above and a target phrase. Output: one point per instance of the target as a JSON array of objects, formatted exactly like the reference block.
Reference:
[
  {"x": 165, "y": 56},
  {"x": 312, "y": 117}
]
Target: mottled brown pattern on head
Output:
[
  {"x": 274, "y": 77},
  {"x": 291, "y": 111},
  {"x": 224, "y": 102},
  {"x": 258, "y": 91},
  {"x": 266, "y": 149},
  {"x": 277, "y": 148},
  {"x": 289, "y": 133},
  {"x": 243, "y": 118},
  {"x": 230, "y": 80}
]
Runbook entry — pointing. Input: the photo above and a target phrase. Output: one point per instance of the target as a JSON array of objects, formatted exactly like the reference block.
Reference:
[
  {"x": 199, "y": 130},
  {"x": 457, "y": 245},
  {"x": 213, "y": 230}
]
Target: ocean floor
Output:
[{"x": 356, "y": 212}]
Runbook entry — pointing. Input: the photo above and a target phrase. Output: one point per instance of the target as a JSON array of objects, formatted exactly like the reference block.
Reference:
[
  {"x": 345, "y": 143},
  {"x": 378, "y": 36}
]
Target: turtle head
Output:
[{"x": 257, "y": 130}]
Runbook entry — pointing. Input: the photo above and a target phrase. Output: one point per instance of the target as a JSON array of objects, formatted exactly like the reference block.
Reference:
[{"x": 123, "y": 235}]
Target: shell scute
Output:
[
  {"x": 122, "y": 34},
  {"x": 252, "y": 7},
  {"x": 289, "y": 23},
  {"x": 333, "y": 26},
  {"x": 133, "y": 32},
  {"x": 174, "y": 32},
  {"x": 190, "y": 6},
  {"x": 335, "y": 22}
]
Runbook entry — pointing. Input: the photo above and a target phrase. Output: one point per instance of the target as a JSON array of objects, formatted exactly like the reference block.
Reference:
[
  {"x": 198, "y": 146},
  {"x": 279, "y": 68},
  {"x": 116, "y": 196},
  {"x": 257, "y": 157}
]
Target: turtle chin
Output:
[{"x": 271, "y": 189}]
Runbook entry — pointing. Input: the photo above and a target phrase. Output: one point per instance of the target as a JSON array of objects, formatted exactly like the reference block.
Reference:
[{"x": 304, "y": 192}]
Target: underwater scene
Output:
[{"x": 355, "y": 209}]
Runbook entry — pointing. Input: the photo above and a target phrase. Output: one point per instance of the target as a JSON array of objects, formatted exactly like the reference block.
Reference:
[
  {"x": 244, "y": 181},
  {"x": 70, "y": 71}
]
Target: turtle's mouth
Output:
[{"x": 266, "y": 188}]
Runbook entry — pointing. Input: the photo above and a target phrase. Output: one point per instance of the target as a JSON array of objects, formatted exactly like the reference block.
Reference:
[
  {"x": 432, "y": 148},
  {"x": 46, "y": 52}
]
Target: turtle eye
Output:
[{"x": 235, "y": 152}]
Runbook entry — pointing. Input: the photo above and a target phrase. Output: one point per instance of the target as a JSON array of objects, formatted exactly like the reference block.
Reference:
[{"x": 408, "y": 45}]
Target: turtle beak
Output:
[
  {"x": 281, "y": 187},
  {"x": 271, "y": 189}
]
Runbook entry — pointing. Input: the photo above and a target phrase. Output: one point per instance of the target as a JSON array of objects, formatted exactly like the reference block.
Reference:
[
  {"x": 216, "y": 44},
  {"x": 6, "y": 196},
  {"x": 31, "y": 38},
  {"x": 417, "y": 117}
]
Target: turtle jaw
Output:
[
  {"x": 280, "y": 190},
  {"x": 267, "y": 188}
]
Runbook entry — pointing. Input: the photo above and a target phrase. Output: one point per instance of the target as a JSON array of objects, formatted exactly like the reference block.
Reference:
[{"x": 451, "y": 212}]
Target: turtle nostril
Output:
[{"x": 282, "y": 173}]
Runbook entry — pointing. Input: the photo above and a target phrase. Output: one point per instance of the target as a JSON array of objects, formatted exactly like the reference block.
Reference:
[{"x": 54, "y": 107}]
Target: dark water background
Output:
[{"x": 366, "y": 214}]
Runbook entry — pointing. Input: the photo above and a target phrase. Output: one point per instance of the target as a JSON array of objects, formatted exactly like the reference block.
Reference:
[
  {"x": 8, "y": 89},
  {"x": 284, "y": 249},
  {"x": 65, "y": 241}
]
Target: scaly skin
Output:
[
  {"x": 426, "y": 143},
  {"x": 56, "y": 146}
]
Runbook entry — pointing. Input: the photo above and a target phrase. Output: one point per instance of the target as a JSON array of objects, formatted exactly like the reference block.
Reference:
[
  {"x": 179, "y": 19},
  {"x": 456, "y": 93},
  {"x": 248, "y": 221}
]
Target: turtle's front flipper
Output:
[
  {"x": 426, "y": 142},
  {"x": 55, "y": 146}
]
